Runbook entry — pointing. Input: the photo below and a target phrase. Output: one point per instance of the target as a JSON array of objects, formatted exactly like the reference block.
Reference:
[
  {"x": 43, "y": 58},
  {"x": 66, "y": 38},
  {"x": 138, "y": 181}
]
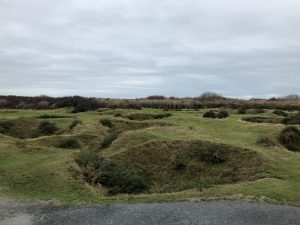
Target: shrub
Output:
[
  {"x": 223, "y": 114},
  {"x": 210, "y": 153},
  {"x": 148, "y": 116},
  {"x": 5, "y": 126},
  {"x": 74, "y": 124},
  {"x": 265, "y": 141},
  {"x": 109, "y": 173},
  {"x": 118, "y": 114},
  {"x": 210, "y": 114},
  {"x": 69, "y": 143},
  {"x": 22, "y": 144},
  {"x": 47, "y": 128},
  {"x": 280, "y": 113},
  {"x": 161, "y": 115},
  {"x": 180, "y": 166},
  {"x": 106, "y": 122},
  {"x": 47, "y": 116},
  {"x": 290, "y": 138},
  {"x": 106, "y": 142},
  {"x": 260, "y": 110},
  {"x": 258, "y": 119},
  {"x": 242, "y": 111},
  {"x": 292, "y": 119}
]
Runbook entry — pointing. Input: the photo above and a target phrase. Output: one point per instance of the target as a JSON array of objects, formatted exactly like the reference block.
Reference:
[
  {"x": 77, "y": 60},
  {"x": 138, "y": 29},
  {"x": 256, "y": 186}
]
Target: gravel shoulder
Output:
[{"x": 183, "y": 213}]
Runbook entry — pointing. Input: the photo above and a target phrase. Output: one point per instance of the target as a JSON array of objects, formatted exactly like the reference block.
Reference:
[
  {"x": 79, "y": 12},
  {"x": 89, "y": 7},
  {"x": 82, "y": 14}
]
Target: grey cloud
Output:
[{"x": 131, "y": 48}]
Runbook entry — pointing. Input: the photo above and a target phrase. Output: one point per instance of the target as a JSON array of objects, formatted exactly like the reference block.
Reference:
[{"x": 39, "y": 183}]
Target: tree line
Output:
[{"x": 206, "y": 100}]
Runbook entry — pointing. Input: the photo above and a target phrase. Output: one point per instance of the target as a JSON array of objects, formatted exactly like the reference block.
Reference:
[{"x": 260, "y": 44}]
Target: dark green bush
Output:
[
  {"x": 161, "y": 115},
  {"x": 106, "y": 122},
  {"x": 69, "y": 143},
  {"x": 210, "y": 114},
  {"x": 47, "y": 116},
  {"x": 109, "y": 173},
  {"x": 292, "y": 119},
  {"x": 179, "y": 166},
  {"x": 112, "y": 135},
  {"x": 148, "y": 116},
  {"x": 222, "y": 114},
  {"x": 46, "y": 128},
  {"x": 290, "y": 138},
  {"x": 242, "y": 111},
  {"x": 5, "y": 126},
  {"x": 280, "y": 113},
  {"x": 118, "y": 114},
  {"x": 258, "y": 119},
  {"x": 210, "y": 153},
  {"x": 265, "y": 141},
  {"x": 260, "y": 110}
]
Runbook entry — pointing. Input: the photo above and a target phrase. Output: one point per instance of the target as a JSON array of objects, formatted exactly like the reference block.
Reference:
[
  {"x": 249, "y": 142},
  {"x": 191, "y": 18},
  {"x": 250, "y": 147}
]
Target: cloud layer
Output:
[{"x": 133, "y": 48}]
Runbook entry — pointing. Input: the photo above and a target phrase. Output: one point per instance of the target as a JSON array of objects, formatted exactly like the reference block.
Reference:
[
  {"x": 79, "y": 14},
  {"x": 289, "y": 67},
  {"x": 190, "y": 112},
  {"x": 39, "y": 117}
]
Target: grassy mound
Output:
[
  {"x": 26, "y": 128},
  {"x": 180, "y": 165}
]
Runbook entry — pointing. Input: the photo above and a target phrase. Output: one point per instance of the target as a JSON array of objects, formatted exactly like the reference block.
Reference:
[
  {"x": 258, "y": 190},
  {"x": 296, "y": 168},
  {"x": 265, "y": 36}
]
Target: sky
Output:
[{"x": 134, "y": 48}]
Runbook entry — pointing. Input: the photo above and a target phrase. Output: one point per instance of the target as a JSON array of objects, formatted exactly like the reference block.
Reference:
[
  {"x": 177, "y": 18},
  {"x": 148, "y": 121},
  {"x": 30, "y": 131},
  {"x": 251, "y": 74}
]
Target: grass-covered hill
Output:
[{"x": 126, "y": 155}]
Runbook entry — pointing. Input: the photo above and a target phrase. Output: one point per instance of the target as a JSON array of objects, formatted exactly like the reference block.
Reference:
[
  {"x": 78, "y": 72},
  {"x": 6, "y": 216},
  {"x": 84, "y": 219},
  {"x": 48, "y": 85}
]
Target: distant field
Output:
[{"x": 170, "y": 155}]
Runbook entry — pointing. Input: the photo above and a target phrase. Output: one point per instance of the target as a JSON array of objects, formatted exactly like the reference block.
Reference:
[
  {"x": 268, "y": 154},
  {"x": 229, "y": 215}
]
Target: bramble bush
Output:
[
  {"x": 290, "y": 138},
  {"x": 109, "y": 173}
]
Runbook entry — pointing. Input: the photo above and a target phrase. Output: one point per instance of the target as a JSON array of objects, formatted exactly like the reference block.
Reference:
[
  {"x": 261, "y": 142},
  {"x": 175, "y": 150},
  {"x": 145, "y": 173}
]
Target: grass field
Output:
[{"x": 38, "y": 169}]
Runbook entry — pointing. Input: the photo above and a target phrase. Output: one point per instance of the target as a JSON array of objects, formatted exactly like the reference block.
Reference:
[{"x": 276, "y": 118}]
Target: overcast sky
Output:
[{"x": 136, "y": 48}]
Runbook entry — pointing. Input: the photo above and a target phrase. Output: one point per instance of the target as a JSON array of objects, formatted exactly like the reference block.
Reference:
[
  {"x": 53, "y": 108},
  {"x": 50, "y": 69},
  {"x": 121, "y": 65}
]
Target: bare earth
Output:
[{"x": 183, "y": 213}]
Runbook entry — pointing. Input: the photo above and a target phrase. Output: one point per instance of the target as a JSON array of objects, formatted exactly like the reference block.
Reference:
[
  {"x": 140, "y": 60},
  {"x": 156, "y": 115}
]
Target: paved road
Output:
[{"x": 191, "y": 213}]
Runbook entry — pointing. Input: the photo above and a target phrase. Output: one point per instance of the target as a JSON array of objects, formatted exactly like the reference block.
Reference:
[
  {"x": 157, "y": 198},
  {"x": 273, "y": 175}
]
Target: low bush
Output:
[
  {"x": 148, "y": 116},
  {"x": 47, "y": 128},
  {"x": 48, "y": 116},
  {"x": 260, "y": 111},
  {"x": 210, "y": 153},
  {"x": 5, "y": 126},
  {"x": 258, "y": 119},
  {"x": 210, "y": 114},
  {"x": 222, "y": 114},
  {"x": 109, "y": 173},
  {"x": 242, "y": 111},
  {"x": 21, "y": 144},
  {"x": 280, "y": 113},
  {"x": 290, "y": 138},
  {"x": 161, "y": 115},
  {"x": 265, "y": 141},
  {"x": 292, "y": 119},
  {"x": 112, "y": 135},
  {"x": 118, "y": 114},
  {"x": 69, "y": 143},
  {"x": 179, "y": 166},
  {"x": 106, "y": 122}
]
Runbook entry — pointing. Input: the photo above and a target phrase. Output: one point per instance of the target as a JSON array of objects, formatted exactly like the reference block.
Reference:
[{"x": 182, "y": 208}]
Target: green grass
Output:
[{"x": 44, "y": 171}]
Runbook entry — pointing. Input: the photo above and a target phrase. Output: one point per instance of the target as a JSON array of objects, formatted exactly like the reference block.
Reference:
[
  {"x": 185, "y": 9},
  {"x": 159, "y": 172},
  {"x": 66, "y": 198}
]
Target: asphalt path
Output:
[{"x": 182, "y": 213}]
